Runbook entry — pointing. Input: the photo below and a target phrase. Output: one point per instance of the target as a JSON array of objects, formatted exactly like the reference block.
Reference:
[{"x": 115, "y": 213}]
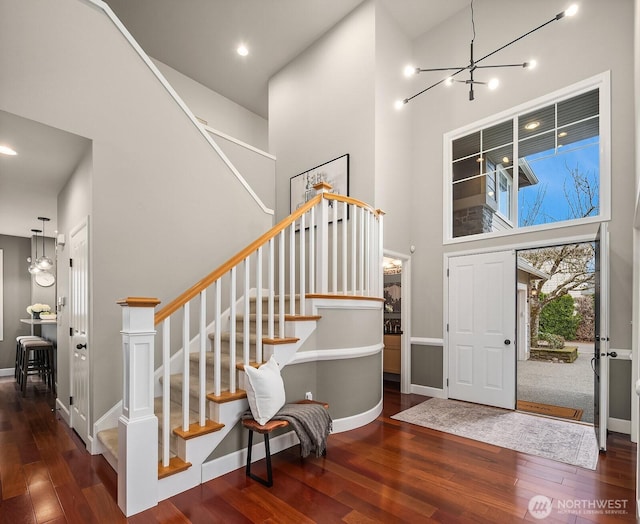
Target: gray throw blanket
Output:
[{"x": 311, "y": 422}]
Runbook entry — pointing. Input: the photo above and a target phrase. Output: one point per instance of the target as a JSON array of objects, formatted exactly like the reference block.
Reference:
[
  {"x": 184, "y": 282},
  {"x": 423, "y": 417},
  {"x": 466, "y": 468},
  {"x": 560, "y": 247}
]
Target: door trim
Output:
[{"x": 405, "y": 319}]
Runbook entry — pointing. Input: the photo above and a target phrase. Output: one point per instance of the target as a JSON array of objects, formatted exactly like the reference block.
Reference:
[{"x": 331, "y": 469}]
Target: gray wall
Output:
[
  {"x": 218, "y": 111},
  {"x": 158, "y": 187},
  {"x": 16, "y": 297},
  {"x": 598, "y": 39}
]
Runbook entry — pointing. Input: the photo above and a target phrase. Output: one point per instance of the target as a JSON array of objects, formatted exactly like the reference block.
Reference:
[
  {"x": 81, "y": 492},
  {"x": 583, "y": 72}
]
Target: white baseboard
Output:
[
  {"x": 428, "y": 391},
  {"x": 357, "y": 421},
  {"x": 620, "y": 425},
  {"x": 7, "y": 372}
]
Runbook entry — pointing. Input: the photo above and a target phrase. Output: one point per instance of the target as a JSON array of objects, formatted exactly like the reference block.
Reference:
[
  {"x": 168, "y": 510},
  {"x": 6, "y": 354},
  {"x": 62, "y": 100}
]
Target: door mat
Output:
[
  {"x": 555, "y": 439},
  {"x": 549, "y": 410}
]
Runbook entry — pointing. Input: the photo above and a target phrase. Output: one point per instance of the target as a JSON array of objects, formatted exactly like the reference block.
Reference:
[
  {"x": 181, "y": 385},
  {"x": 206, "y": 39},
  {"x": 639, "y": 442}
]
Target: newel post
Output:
[
  {"x": 138, "y": 425},
  {"x": 380, "y": 255},
  {"x": 322, "y": 241}
]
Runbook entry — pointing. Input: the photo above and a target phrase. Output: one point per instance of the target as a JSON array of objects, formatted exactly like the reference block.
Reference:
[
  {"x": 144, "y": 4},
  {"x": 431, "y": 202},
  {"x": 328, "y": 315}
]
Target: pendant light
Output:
[
  {"x": 44, "y": 262},
  {"x": 33, "y": 269}
]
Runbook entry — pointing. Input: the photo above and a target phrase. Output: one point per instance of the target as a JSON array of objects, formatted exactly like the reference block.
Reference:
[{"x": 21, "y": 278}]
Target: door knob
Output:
[
  {"x": 81, "y": 346},
  {"x": 507, "y": 342}
]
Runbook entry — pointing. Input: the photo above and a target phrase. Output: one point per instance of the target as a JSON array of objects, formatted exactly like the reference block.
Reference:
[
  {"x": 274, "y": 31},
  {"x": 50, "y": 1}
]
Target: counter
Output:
[
  {"x": 392, "y": 351},
  {"x": 45, "y": 328}
]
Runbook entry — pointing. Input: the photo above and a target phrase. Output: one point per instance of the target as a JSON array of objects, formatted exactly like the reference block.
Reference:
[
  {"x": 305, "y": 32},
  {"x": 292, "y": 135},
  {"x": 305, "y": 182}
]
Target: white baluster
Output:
[
  {"x": 185, "y": 364},
  {"x": 292, "y": 269},
  {"x": 367, "y": 254},
  {"x": 166, "y": 377},
  {"x": 259, "y": 305},
  {"x": 203, "y": 357},
  {"x": 322, "y": 241},
  {"x": 281, "y": 303},
  {"x": 271, "y": 291},
  {"x": 246, "y": 348},
  {"x": 354, "y": 250},
  {"x": 361, "y": 253},
  {"x": 344, "y": 229},
  {"x": 334, "y": 246},
  {"x": 216, "y": 340},
  {"x": 303, "y": 263},
  {"x": 312, "y": 250},
  {"x": 232, "y": 331}
]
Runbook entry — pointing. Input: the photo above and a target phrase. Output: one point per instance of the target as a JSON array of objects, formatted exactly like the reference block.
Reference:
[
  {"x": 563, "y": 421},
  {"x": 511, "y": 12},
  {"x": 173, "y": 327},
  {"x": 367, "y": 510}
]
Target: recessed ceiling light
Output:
[
  {"x": 562, "y": 134},
  {"x": 6, "y": 150},
  {"x": 505, "y": 159},
  {"x": 242, "y": 50},
  {"x": 532, "y": 125}
]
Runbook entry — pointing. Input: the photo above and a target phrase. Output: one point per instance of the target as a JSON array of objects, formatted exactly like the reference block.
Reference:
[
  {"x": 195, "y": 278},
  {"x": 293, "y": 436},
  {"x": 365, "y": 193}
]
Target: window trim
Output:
[{"x": 602, "y": 82}]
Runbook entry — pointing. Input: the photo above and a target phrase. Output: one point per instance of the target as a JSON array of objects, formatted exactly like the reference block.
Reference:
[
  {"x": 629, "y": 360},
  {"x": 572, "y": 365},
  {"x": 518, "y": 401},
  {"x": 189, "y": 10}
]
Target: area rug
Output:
[
  {"x": 558, "y": 440},
  {"x": 549, "y": 410}
]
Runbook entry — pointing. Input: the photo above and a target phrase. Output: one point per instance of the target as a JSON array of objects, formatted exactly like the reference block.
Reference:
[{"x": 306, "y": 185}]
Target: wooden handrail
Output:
[
  {"x": 192, "y": 292},
  {"x": 203, "y": 284}
]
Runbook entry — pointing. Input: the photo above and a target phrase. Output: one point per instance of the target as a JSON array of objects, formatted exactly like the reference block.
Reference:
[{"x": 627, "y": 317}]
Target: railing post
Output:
[
  {"x": 322, "y": 242},
  {"x": 138, "y": 425},
  {"x": 380, "y": 257}
]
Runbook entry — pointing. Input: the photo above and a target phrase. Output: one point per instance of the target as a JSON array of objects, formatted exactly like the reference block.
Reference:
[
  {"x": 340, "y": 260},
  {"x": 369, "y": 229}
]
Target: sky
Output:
[{"x": 553, "y": 172}]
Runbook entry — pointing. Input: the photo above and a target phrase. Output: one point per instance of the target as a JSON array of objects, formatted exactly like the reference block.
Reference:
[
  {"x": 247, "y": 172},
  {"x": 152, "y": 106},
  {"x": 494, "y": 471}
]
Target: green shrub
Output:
[
  {"x": 558, "y": 317},
  {"x": 554, "y": 341}
]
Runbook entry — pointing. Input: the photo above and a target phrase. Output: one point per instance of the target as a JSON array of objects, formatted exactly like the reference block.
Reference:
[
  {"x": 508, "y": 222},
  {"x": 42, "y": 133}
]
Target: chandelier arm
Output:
[
  {"x": 519, "y": 38},
  {"x": 458, "y": 68},
  {"x": 524, "y": 64},
  {"x": 432, "y": 86}
]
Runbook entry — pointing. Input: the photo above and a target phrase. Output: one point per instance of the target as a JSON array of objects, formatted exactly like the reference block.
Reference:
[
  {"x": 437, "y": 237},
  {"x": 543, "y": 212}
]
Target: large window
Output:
[{"x": 559, "y": 175}]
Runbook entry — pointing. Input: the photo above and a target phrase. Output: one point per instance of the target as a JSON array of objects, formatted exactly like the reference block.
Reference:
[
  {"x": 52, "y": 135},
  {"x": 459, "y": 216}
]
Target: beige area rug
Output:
[{"x": 558, "y": 440}]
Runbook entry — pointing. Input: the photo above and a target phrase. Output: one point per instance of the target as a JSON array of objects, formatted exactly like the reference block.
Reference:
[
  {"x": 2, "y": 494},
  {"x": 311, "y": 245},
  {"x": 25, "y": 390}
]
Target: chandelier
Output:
[{"x": 475, "y": 64}]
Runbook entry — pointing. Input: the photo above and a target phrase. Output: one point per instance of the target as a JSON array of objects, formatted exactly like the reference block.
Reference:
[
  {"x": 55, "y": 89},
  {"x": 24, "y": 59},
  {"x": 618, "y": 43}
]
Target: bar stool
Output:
[
  {"x": 19, "y": 340},
  {"x": 36, "y": 358}
]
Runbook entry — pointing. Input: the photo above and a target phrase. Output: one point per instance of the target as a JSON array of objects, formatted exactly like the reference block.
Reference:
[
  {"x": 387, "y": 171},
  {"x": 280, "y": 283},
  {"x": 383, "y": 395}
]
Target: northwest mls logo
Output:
[{"x": 540, "y": 507}]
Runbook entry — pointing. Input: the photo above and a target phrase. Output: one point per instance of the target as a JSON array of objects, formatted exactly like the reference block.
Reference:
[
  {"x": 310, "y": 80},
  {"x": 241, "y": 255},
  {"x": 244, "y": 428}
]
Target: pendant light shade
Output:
[
  {"x": 33, "y": 268},
  {"x": 44, "y": 263}
]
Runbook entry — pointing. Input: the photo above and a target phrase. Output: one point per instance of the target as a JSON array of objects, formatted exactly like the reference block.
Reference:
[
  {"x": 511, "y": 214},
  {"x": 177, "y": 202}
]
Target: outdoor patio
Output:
[{"x": 560, "y": 384}]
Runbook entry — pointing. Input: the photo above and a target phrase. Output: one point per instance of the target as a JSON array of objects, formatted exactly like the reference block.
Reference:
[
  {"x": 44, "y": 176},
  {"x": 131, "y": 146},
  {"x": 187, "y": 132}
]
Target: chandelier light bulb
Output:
[
  {"x": 242, "y": 50},
  {"x": 409, "y": 70},
  {"x": 399, "y": 103},
  {"x": 6, "y": 150},
  {"x": 571, "y": 10},
  {"x": 531, "y": 64},
  {"x": 493, "y": 83},
  {"x": 449, "y": 81}
]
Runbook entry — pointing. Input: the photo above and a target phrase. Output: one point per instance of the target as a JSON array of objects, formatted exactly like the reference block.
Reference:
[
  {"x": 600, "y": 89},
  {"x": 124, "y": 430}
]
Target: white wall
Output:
[
  {"x": 321, "y": 107},
  {"x": 158, "y": 188},
  {"x": 218, "y": 111},
  {"x": 598, "y": 39}
]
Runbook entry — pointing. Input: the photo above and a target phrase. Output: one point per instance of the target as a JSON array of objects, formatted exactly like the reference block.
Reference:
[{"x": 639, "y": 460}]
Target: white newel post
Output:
[
  {"x": 322, "y": 241},
  {"x": 138, "y": 425}
]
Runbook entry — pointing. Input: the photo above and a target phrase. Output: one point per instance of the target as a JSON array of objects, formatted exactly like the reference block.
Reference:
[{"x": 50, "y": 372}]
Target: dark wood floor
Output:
[{"x": 387, "y": 471}]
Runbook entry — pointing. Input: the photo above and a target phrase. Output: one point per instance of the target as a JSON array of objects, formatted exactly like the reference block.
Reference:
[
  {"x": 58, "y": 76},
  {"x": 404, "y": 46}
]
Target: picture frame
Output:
[{"x": 335, "y": 172}]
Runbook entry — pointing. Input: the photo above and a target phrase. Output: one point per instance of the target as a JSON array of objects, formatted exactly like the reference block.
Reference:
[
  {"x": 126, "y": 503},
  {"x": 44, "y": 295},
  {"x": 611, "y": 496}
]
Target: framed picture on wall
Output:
[{"x": 335, "y": 172}]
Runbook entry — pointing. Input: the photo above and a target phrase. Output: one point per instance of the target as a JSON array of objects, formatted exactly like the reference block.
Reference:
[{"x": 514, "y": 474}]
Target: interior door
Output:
[
  {"x": 79, "y": 329},
  {"x": 481, "y": 328},
  {"x": 601, "y": 353}
]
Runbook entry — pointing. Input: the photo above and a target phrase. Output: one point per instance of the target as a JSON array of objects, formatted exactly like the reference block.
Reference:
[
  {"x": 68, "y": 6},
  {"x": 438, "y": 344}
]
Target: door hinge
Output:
[
  {"x": 71, "y": 262},
  {"x": 447, "y": 271},
  {"x": 447, "y": 382},
  {"x": 447, "y": 328},
  {"x": 70, "y": 331},
  {"x": 71, "y": 401}
]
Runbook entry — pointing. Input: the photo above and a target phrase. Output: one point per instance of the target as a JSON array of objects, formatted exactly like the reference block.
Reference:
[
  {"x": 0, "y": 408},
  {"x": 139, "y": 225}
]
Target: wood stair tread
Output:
[
  {"x": 176, "y": 465},
  {"x": 227, "y": 396},
  {"x": 196, "y": 430}
]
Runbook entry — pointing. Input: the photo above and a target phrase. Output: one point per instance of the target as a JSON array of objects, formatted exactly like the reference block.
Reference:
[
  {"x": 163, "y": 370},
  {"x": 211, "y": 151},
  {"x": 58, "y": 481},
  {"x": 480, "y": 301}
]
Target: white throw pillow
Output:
[{"x": 265, "y": 390}]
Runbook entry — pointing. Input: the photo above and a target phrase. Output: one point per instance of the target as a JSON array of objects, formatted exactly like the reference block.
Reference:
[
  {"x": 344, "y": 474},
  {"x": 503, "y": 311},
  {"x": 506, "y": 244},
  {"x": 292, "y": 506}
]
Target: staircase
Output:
[{"x": 261, "y": 303}]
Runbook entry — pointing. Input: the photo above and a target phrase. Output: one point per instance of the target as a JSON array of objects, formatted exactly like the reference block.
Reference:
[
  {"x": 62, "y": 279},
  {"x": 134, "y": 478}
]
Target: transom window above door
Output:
[{"x": 542, "y": 165}]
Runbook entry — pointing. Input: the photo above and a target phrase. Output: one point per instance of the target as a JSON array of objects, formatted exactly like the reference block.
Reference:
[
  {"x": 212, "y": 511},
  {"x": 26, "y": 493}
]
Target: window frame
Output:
[{"x": 600, "y": 82}]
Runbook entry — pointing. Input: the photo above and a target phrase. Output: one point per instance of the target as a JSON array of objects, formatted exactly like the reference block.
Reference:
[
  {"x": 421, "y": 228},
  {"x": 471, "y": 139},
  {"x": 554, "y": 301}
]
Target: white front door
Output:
[
  {"x": 79, "y": 332},
  {"x": 481, "y": 328},
  {"x": 601, "y": 352}
]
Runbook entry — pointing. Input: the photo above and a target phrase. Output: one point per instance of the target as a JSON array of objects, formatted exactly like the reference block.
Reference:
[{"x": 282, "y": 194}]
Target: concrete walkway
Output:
[{"x": 558, "y": 383}]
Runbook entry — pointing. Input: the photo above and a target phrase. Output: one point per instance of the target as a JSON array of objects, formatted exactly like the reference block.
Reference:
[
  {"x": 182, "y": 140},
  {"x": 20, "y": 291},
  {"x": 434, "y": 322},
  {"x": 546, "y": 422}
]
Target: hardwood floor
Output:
[{"x": 387, "y": 471}]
